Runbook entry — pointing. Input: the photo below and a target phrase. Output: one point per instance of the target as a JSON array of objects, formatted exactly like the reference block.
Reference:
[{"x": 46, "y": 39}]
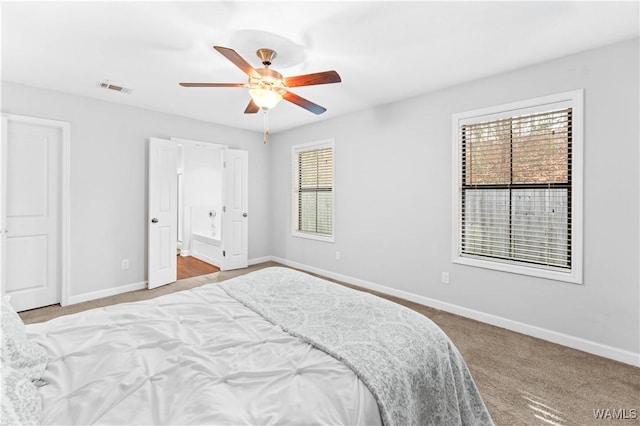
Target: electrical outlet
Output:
[
  {"x": 338, "y": 255},
  {"x": 125, "y": 263},
  {"x": 445, "y": 278}
]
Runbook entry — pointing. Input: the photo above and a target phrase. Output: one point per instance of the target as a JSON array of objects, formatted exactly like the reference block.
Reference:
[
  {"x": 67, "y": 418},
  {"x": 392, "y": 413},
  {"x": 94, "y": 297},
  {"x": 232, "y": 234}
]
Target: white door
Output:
[
  {"x": 163, "y": 210},
  {"x": 235, "y": 220},
  {"x": 31, "y": 188}
]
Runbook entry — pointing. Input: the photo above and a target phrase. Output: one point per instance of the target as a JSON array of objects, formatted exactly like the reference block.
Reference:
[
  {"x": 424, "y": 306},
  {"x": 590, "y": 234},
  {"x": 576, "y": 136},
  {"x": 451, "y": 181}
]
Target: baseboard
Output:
[
  {"x": 143, "y": 285},
  {"x": 106, "y": 292},
  {"x": 206, "y": 259},
  {"x": 578, "y": 343},
  {"x": 263, "y": 259}
]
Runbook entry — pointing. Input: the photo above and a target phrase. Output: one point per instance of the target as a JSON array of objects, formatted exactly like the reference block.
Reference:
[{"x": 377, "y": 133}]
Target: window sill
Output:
[
  {"x": 310, "y": 236},
  {"x": 571, "y": 276}
]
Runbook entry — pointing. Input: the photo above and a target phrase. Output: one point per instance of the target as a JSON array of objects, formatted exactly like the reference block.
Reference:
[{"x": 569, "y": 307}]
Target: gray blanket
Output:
[{"x": 410, "y": 366}]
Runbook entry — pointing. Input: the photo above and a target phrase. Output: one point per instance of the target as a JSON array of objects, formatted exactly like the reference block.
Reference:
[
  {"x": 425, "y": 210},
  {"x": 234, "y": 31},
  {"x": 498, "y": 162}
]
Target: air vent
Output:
[{"x": 112, "y": 85}]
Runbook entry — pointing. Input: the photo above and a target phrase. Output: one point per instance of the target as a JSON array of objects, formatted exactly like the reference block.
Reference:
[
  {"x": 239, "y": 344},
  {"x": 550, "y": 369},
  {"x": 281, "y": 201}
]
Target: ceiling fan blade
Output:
[
  {"x": 312, "y": 79},
  {"x": 212, "y": 84},
  {"x": 237, "y": 60},
  {"x": 252, "y": 108},
  {"x": 304, "y": 103}
]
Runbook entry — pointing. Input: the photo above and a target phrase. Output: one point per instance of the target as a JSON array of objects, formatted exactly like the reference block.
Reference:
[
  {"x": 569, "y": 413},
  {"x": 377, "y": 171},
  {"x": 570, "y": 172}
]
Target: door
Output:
[
  {"x": 235, "y": 213},
  {"x": 31, "y": 202},
  {"x": 163, "y": 210}
]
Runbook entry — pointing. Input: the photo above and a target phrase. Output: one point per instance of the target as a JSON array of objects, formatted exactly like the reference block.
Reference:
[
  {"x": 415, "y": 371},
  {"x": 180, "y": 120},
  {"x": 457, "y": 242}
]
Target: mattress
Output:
[{"x": 275, "y": 346}]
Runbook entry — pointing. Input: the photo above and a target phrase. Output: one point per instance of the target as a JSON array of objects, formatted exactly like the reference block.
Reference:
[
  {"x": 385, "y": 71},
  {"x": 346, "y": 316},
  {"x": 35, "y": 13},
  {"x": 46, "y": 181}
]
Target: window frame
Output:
[
  {"x": 573, "y": 99},
  {"x": 295, "y": 150}
]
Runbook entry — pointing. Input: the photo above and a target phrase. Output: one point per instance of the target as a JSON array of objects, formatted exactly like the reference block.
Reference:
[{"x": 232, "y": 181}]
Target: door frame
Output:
[
  {"x": 64, "y": 222},
  {"x": 196, "y": 142}
]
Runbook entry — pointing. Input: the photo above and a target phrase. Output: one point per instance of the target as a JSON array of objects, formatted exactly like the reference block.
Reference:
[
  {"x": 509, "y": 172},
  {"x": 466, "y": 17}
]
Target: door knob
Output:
[
  {"x": 154, "y": 220},
  {"x": 244, "y": 215}
]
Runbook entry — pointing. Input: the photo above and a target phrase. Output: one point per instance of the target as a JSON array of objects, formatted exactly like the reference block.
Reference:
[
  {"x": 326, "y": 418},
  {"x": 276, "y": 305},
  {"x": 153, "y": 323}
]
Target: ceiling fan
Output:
[{"x": 266, "y": 86}]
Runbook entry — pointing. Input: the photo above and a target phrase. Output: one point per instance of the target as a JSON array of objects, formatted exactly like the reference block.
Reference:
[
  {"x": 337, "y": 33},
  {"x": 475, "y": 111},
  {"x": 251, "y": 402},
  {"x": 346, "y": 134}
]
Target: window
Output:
[
  {"x": 518, "y": 187},
  {"x": 313, "y": 190}
]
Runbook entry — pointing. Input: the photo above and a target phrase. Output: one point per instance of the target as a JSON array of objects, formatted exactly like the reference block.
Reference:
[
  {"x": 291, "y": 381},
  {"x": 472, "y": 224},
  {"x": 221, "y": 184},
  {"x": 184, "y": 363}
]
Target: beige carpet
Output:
[{"x": 523, "y": 380}]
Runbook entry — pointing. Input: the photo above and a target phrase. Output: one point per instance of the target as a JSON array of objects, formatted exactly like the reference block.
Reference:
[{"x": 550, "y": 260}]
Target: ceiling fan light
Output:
[{"x": 265, "y": 98}]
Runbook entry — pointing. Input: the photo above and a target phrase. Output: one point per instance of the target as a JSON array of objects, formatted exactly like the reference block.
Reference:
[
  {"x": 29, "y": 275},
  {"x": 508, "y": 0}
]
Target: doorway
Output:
[
  {"x": 199, "y": 177},
  {"x": 215, "y": 233},
  {"x": 34, "y": 176}
]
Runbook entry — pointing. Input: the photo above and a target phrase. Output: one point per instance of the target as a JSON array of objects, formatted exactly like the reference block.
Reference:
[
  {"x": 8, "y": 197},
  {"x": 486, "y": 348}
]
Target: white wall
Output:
[
  {"x": 109, "y": 145},
  {"x": 393, "y": 203}
]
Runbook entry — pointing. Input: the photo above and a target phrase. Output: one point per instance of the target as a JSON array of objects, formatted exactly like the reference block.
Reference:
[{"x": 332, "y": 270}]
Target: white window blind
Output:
[
  {"x": 314, "y": 190},
  {"x": 517, "y": 187}
]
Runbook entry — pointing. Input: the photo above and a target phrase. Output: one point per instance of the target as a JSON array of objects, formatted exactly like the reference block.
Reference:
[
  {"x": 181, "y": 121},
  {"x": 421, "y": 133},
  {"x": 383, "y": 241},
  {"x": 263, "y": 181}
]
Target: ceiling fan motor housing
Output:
[{"x": 266, "y": 56}]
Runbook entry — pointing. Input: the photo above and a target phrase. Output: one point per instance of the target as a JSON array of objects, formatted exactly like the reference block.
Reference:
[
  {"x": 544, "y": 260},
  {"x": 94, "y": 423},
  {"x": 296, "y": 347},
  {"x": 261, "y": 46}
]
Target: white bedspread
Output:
[
  {"x": 193, "y": 357},
  {"x": 411, "y": 367}
]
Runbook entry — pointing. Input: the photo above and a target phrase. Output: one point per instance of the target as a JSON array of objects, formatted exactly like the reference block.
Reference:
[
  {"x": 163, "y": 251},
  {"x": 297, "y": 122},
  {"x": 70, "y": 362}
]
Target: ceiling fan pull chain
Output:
[{"x": 266, "y": 126}]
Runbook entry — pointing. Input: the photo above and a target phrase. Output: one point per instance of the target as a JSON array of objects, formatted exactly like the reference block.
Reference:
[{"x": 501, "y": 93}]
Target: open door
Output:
[
  {"x": 163, "y": 211},
  {"x": 235, "y": 212}
]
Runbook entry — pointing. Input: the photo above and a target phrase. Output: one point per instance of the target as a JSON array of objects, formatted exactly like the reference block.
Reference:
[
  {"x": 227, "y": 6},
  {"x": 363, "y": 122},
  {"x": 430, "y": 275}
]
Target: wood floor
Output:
[{"x": 189, "y": 266}]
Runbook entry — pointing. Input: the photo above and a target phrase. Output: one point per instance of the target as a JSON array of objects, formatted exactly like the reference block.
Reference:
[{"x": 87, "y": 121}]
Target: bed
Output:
[{"x": 275, "y": 346}]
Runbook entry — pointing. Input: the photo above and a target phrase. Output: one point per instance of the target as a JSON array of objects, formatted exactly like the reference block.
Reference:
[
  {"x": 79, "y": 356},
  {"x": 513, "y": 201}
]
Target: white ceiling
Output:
[{"x": 384, "y": 51}]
